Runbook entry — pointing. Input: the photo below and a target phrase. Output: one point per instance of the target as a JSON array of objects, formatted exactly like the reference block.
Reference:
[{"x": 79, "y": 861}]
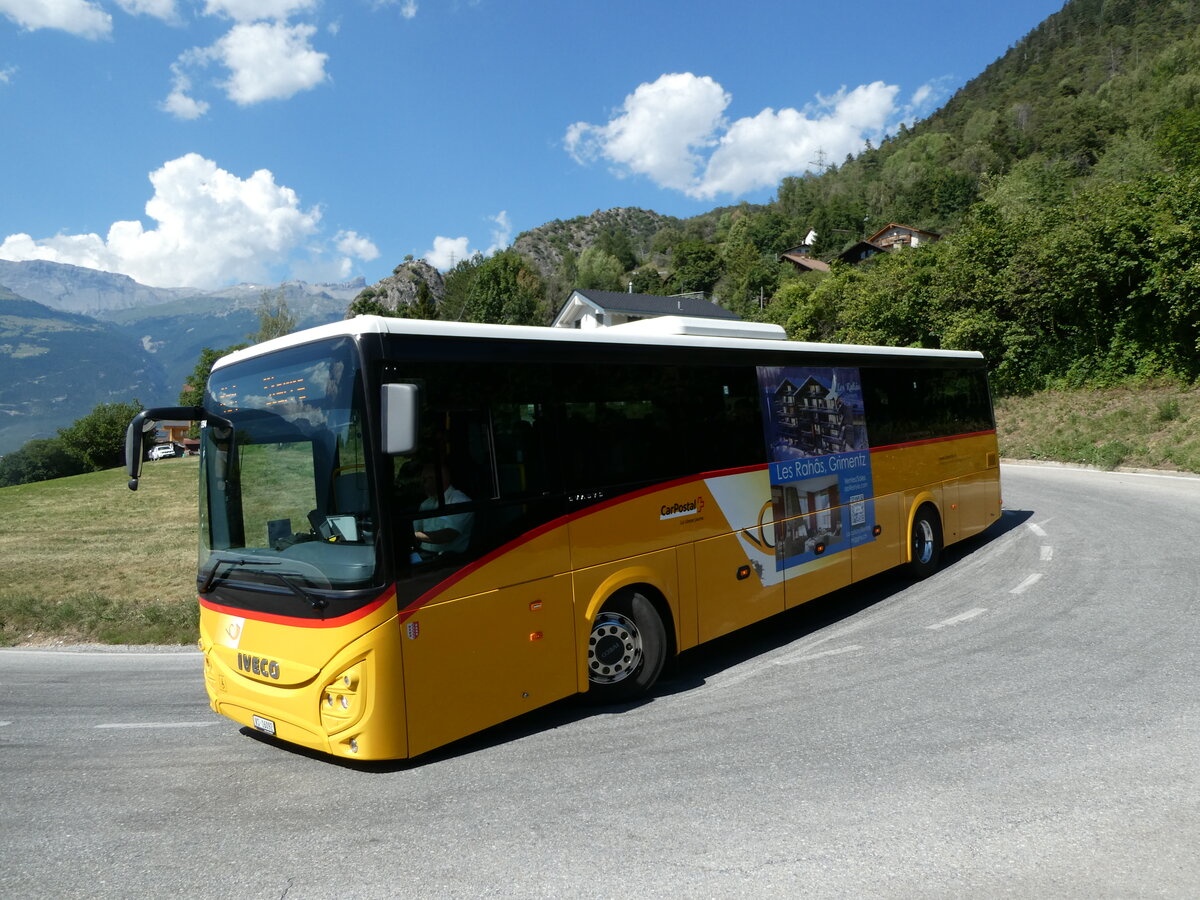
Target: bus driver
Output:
[{"x": 445, "y": 533}]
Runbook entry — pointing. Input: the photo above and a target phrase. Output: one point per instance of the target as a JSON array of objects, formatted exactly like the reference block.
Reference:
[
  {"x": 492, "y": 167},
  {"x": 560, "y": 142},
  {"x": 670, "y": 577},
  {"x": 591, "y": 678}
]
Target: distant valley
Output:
[{"x": 71, "y": 338}]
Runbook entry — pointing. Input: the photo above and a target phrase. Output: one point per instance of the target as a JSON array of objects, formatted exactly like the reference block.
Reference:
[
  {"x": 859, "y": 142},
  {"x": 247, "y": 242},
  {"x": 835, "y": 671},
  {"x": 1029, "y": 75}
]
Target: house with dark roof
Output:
[
  {"x": 801, "y": 257},
  {"x": 859, "y": 251},
  {"x": 599, "y": 309}
]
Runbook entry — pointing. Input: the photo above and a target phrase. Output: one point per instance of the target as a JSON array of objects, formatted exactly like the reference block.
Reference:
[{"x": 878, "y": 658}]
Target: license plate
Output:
[{"x": 266, "y": 726}]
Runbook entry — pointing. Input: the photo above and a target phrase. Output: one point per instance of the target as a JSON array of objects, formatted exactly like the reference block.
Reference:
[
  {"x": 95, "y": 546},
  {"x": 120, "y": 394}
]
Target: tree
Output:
[
  {"x": 646, "y": 280},
  {"x": 460, "y": 281},
  {"x": 615, "y": 242},
  {"x": 98, "y": 439},
  {"x": 38, "y": 460},
  {"x": 368, "y": 304},
  {"x": 600, "y": 270},
  {"x": 424, "y": 308},
  {"x": 507, "y": 290},
  {"x": 697, "y": 267},
  {"x": 274, "y": 318}
]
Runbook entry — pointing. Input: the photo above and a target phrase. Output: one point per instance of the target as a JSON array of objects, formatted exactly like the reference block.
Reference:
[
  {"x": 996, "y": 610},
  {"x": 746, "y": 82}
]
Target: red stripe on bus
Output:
[
  {"x": 561, "y": 521},
  {"x": 360, "y": 613},
  {"x": 940, "y": 440}
]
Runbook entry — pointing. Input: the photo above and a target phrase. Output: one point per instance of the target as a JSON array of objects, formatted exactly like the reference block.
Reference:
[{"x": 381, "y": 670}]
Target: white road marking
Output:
[
  {"x": 157, "y": 725},
  {"x": 796, "y": 656},
  {"x": 961, "y": 617},
  {"x": 1037, "y": 529},
  {"x": 837, "y": 652},
  {"x": 2, "y": 724},
  {"x": 1047, "y": 553},
  {"x": 1027, "y": 583}
]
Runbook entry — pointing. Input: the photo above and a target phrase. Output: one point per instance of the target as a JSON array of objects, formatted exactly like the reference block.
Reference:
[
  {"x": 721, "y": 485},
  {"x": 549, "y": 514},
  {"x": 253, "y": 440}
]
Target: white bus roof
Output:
[{"x": 666, "y": 331}]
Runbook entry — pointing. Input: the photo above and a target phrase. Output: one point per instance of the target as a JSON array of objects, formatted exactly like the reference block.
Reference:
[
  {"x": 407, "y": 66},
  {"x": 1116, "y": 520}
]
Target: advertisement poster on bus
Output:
[{"x": 819, "y": 461}]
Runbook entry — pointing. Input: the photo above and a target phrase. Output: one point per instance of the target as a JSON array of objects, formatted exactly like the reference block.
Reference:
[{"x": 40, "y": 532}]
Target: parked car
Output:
[{"x": 162, "y": 451}]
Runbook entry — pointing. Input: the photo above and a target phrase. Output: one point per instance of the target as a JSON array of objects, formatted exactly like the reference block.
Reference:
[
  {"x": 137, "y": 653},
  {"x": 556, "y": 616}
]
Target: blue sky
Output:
[{"x": 209, "y": 142}]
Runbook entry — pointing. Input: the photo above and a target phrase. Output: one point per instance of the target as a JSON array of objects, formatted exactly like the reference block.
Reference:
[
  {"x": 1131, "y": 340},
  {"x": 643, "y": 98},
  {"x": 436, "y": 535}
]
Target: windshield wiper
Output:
[
  {"x": 317, "y": 602},
  {"x": 211, "y": 578}
]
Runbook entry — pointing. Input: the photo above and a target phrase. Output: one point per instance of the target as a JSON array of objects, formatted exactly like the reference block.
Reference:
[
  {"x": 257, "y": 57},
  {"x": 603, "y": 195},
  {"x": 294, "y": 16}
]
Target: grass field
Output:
[
  {"x": 85, "y": 559},
  {"x": 1154, "y": 427}
]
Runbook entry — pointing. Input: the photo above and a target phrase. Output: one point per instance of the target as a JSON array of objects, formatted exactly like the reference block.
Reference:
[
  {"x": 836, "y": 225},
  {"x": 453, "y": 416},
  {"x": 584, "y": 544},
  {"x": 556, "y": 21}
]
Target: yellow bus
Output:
[{"x": 412, "y": 531}]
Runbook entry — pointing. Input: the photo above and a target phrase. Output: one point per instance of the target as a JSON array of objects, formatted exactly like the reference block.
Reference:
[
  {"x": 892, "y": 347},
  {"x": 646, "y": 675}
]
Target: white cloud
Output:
[
  {"x": 178, "y": 102},
  {"x": 501, "y": 233},
  {"x": 351, "y": 243},
  {"x": 266, "y": 61},
  {"x": 212, "y": 228},
  {"x": 448, "y": 252},
  {"x": 159, "y": 9},
  {"x": 659, "y": 132},
  {"x": 257, "y": 10},
  {"x": 408, "y": 8},
  {"x": 758, "y": 152},
  {"x": 78, "y": 17},
  {"x": 7, "y": 73},
  {"x": 673, "y": 131},
  {"x": 269, "y": 61}
]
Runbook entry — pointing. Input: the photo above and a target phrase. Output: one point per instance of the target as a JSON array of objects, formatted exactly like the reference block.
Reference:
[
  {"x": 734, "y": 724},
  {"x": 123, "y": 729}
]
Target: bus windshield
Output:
[{"x": 285, "y": 502}]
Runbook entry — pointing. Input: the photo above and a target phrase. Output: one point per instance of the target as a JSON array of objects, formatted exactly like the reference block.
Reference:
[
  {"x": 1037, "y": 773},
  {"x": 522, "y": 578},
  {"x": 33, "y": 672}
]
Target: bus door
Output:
[{"x": 486, "y": 614}]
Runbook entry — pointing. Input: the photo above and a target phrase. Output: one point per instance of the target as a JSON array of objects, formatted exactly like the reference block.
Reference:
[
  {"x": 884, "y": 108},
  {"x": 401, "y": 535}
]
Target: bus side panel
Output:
[
  {"x": 818, "y": 578},
  {"x": 887, "y": 550},
  {"x": 644, "y": 522},
  {"x": 893, "y": 468},
  {"x": 686, "y": 624},
  {"x": 979, "y": 501},
  {"x": 475, "y": 661},
  {"x": 731, "y": 592}
]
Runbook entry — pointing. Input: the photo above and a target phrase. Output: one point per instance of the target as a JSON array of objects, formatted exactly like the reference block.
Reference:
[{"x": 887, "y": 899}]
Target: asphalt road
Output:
[{"x": 1025, "y": 723}]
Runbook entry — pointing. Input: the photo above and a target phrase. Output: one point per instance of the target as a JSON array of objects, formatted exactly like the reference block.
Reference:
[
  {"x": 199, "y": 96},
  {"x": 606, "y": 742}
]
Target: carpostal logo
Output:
[{"x": 677, "y": 510}]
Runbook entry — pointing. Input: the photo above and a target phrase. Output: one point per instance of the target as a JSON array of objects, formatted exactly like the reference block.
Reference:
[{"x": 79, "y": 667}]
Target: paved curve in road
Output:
[{"x": 1025, "y": 722}]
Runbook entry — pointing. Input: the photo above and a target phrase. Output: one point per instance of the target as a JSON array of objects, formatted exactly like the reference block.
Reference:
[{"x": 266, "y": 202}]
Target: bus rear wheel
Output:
[
  {"x": 626, "y": 648},
  {"x": 926, "y": 542}
]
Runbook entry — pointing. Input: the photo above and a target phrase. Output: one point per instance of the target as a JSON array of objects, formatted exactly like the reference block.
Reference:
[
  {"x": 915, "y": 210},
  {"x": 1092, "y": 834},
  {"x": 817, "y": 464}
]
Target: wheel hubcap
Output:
[
  {"x": 614, "y": 648},
  {"x": 922, "y": 541}
]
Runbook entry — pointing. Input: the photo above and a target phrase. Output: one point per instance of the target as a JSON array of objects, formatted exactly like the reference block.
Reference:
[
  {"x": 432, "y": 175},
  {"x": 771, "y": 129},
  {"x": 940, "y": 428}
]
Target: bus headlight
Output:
[{"x": 343, "y": 699}]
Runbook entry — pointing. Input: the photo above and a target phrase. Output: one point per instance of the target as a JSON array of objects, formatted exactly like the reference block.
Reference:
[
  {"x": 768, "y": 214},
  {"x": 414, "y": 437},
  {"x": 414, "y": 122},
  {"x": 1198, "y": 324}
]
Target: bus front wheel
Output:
[
  {"x": 626, "y": 648},
  {"x": 926, "y": 542}
]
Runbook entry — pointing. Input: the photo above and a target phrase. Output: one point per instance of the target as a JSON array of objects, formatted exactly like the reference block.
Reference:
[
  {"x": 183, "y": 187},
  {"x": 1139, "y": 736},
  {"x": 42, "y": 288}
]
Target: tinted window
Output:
[{"x": 910, "y": 404}]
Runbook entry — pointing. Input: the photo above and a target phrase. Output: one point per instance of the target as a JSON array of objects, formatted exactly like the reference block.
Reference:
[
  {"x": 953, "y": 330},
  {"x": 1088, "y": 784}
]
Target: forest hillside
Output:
[{"x": 1064, "y": 182}]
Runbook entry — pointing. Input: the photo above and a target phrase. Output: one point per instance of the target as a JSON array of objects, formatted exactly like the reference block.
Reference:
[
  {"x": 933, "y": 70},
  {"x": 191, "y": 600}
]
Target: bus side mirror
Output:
[
  {"x": 135, "y": 447},
  {"x": 144, "y": 423},
  {"x": 400, "y": 405}
]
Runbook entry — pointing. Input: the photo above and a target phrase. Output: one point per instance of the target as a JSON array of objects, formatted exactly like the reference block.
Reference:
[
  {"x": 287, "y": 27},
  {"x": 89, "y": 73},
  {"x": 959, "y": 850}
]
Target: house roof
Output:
[
  {"x": 860, "y": 250},
  {"x": 804, "y": 261},
  {"x": 648, "y": 305}
]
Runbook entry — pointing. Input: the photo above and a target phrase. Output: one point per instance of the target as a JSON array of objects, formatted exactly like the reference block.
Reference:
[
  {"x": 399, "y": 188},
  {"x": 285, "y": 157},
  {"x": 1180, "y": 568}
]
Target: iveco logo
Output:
[{"x": 258, "y": 665}]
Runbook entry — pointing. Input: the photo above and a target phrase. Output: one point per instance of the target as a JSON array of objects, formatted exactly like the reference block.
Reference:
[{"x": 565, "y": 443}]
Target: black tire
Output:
[
  {"x": 626, "y": 648},
  {"x": 926, "y": 542}
]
